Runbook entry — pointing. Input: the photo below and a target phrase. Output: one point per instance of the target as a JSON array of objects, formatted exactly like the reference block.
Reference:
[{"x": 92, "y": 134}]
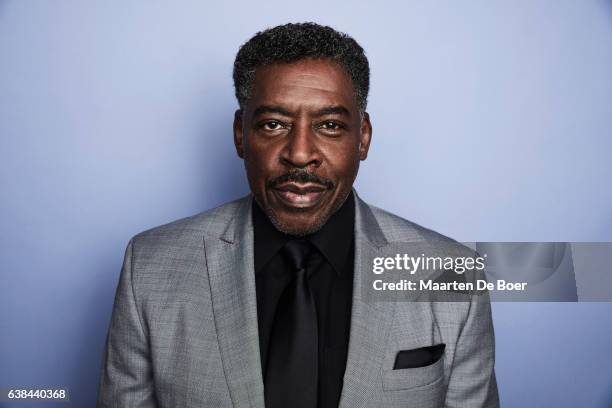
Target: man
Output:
[{"x": 259, "y": 302}]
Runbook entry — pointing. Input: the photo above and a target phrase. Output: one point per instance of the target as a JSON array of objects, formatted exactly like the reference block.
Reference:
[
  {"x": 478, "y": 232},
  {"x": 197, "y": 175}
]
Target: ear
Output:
[
  {"x": 366, "y": 136},
  {"x": 238, "y": 135}
]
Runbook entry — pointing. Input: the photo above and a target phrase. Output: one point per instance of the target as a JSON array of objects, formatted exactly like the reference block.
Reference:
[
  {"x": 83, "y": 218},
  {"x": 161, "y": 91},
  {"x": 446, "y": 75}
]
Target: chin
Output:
[{"x": 290, "y": 227}]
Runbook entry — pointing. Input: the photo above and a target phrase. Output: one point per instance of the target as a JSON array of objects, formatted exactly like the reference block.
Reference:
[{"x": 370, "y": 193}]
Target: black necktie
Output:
[{"x": 292, "y": 371}]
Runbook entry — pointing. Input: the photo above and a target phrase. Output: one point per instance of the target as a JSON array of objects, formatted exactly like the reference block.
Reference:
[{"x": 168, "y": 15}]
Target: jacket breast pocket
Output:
[{"x": 411, "y": 378}]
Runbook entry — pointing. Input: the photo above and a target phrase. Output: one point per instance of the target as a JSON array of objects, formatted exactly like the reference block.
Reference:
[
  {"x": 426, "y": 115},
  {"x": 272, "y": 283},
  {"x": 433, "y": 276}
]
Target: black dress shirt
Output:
[{"x": 331, "y": 282}]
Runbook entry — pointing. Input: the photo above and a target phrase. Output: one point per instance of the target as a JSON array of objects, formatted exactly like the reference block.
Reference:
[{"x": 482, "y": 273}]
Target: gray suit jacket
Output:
[{"x": 184, "y": 330}]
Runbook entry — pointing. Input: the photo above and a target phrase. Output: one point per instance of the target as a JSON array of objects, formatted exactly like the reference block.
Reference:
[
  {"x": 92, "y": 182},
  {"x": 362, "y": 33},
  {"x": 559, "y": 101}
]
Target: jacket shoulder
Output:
[
  {"x": 404, "y": 234},
  {"x": 398, "y": 229},
  {"x": 209, "y": 222}
]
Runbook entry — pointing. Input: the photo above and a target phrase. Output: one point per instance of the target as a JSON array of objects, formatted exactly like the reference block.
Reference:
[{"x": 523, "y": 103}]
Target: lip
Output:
[{"x": 300, "y": 195}]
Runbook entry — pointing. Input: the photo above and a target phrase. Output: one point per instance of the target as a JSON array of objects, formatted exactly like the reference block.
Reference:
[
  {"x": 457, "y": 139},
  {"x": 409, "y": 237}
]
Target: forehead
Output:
[{"x": 303, "y": 84}]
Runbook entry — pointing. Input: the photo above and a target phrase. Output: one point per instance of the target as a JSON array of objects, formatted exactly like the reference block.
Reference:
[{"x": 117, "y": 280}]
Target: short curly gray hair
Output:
[{"x": 296, "y": 41}]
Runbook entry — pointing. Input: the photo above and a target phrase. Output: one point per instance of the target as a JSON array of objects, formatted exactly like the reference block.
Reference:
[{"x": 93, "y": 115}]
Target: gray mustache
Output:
[{"x": 300, "y": 176}]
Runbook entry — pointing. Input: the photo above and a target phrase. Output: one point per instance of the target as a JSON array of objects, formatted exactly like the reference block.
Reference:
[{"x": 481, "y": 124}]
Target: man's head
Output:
[{"x": 302, "y": 127}]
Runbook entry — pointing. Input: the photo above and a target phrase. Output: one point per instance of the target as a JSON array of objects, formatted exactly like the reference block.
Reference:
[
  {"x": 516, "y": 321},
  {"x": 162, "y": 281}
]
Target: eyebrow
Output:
[
  {"x": 328, "y": 110},
  {"x": 333, "y": 110},
  {"x": 260, "y": 110}
]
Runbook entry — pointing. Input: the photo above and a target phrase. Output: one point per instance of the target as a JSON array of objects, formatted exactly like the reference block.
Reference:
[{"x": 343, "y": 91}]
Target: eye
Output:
[
  {"x": 272, "y": 125},
  {"x": 331, "y": 128},
  {"x": 330, "y": 125}
]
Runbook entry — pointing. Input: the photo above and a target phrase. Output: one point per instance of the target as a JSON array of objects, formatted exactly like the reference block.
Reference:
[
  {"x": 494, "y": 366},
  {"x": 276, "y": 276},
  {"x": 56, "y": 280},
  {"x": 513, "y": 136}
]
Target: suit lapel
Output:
[
  {"x": 370, "y": 322},
  {"x": 230, "y": 264}
]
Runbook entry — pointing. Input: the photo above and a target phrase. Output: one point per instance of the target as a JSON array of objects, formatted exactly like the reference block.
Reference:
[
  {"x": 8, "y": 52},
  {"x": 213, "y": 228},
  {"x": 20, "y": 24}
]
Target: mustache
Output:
[{"x": 300, "y": 176}]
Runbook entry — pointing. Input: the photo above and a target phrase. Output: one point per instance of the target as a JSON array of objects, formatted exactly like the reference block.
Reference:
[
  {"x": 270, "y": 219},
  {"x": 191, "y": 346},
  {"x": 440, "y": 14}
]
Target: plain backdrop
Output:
[{"x": 492, "y": 122}]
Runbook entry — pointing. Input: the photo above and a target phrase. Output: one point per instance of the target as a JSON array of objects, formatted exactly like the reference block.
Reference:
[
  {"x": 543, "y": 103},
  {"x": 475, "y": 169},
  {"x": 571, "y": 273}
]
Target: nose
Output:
[{"x": 301, "y": 149}]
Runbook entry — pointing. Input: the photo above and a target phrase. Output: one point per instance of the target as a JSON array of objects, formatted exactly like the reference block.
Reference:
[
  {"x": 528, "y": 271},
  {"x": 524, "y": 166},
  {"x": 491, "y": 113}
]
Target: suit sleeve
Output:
[
  {"x": 126, "y": 379},
  {"x": 472, "y": 380}
]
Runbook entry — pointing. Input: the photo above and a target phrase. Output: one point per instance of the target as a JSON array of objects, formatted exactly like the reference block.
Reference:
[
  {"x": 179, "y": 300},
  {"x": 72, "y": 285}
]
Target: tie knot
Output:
[{"x": 297, "y": 252}]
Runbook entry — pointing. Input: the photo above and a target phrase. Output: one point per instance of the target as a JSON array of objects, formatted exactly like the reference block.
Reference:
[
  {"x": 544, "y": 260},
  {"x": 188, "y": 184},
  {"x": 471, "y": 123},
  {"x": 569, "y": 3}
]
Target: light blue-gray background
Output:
[{"x": 492, "y": 122}]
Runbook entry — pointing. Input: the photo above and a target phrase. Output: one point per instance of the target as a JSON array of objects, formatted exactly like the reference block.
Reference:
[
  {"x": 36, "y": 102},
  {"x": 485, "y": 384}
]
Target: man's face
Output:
[{"x": 301, "y": 136}]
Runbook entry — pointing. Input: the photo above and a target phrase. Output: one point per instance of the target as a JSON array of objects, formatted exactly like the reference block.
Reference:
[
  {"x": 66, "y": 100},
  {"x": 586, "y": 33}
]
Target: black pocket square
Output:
[{"x": 420, "y": 357}]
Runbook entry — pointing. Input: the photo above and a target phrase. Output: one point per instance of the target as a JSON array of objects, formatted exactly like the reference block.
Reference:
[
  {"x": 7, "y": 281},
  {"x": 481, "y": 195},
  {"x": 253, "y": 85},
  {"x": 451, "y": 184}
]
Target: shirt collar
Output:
[{"x": 334, "y": 240}]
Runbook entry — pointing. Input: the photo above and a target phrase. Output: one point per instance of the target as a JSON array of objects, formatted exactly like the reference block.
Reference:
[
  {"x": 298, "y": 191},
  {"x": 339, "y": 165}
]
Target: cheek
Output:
[
  {"x": 344, "y": 161},
  {"x": 260, "y": 160}
]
